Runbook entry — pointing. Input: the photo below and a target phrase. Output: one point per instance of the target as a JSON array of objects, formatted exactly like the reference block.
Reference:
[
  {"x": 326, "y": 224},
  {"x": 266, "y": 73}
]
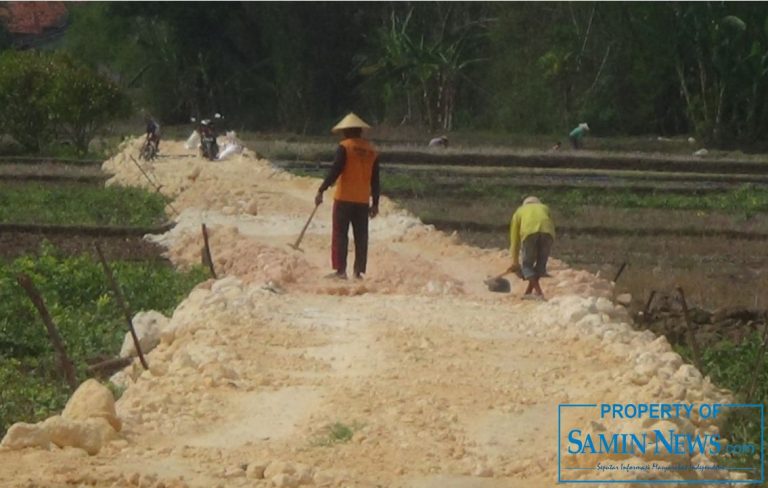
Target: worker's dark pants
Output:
[
  {"x": 575, "y": 142},
  {"x": 345, "y": 213}
]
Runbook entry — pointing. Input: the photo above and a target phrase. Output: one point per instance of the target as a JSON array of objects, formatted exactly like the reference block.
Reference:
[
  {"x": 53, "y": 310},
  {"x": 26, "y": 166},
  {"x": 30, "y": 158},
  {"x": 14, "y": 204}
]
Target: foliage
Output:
[
  {"x": 77, "y": 295},
  {"x": 45, "y": 95},
  {"x": 427, "y": 67},
  {"x": 26, "y": 81},
  {"x": 82, "y": 103},
  {"x": 638, "y": 68},
  {"x": 79, "y": 204},
  {"x": 732, "y": 366}
]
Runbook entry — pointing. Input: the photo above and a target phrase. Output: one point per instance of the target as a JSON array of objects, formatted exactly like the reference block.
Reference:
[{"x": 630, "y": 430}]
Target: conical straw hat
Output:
[
  {"x": 531, "y": 199},
  {"x": 351, "y": 121}
]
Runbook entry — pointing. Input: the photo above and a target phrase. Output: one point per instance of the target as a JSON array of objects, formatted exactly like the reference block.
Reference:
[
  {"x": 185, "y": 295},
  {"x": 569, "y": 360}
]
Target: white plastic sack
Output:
[
  {"x": 193, "y": 141},
  {"x": 229, "y": 150},
  {"x": 232, "y": 146}
]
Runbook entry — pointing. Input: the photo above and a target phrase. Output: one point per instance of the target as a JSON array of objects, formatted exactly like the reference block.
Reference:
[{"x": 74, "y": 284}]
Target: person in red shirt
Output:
[{"x": 355, "y": 172}]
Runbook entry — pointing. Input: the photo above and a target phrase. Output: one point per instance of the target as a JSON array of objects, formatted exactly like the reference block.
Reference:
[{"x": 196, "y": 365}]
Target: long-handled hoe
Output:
[{"x": 295, "y": 245}]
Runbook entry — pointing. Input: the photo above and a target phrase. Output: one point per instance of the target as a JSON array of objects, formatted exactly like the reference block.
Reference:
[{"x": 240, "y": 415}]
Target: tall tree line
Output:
[{"x": 626, "y": 68}]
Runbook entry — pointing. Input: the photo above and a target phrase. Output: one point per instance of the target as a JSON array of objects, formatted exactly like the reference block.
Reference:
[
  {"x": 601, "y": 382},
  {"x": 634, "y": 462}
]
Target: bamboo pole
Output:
[
  {"x": 648, "y": 303},
  {"x": 123, "y": 305},
  {"x": 621, "y": 270},
  {"x": 53, "y": 332},
  {"x": 208, "y": 257}
]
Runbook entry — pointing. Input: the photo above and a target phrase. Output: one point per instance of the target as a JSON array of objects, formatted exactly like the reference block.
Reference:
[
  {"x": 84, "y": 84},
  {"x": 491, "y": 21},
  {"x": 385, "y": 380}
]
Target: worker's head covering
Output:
[
  {"x": 584, "y": 126},
  {"x": 531, "y": 199},
  {"x": 351, "y": 121}
]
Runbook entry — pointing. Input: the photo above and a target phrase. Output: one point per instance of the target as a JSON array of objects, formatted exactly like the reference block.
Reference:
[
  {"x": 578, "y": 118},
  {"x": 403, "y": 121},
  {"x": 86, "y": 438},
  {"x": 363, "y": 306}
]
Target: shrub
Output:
[
  {"x": 92, "y": 326},
  {"x": 26, "y": 82},
  {"x": 45, "y": 94},
  {"x": 83, "y": 102}
]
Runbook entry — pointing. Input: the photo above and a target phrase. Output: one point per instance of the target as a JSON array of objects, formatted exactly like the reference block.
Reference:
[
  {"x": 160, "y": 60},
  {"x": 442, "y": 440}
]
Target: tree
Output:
[
  {"x": 428, "y": 65},
  {"x": 43, "y": 95},
  {"x": 26, "y": 80},
  {"x": 82, "y": 103}
]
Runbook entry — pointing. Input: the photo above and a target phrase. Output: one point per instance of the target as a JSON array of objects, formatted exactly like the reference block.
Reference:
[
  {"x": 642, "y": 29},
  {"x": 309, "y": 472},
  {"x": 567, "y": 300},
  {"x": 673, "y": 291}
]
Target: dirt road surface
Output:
[{"x": 417, "y": 376}]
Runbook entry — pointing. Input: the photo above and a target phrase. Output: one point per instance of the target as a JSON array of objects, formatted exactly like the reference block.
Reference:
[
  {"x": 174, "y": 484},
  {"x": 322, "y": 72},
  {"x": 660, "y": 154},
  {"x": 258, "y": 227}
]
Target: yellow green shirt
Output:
[{"x": 528, "y": 219}]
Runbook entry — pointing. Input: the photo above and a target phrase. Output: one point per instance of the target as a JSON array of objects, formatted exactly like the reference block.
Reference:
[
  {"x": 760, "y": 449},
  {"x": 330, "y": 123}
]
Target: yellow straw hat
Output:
[{"x": 351, "y": 121}]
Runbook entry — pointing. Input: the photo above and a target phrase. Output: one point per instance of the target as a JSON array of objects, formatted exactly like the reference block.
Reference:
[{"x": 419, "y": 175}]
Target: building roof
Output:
[{"x": 32, "y": 18}]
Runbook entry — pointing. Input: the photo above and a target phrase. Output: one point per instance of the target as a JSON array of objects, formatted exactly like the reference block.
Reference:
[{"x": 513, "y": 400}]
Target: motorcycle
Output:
[
  {"x": 208, "y": 145},
  {"x": 205, "y": 138}
]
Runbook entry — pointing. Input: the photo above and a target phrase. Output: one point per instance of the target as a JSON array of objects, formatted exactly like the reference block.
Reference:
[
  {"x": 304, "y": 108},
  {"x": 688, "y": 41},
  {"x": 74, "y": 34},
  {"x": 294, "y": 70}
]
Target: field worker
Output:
[
  {"x": 441, "y": 141},
  {"x": 355, "y": 171},
  {"x": 531, "y": 234},
  {"x": 577, "y": 135}
]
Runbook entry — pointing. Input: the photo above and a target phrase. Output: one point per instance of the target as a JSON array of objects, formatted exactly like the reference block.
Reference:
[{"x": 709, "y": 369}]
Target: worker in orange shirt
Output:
[{"x": 355, "y": 172}]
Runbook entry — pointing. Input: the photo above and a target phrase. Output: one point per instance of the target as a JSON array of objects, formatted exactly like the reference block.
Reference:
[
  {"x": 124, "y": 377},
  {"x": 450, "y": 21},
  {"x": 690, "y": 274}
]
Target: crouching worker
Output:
[
  {"x": 531, "y": 233},
  {"x": 576, "y": 136}
]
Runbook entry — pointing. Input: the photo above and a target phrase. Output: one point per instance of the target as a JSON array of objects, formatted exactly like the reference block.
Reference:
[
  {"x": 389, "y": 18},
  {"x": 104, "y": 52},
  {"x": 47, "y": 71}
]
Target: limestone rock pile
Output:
[{"x": 88, "y": 422}]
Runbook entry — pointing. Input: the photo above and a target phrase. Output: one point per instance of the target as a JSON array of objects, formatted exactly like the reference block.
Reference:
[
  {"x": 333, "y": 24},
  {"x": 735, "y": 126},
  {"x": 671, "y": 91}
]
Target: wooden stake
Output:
[
  {"x": 691, "y": 334},
  {"x": 208, "y": 256},
  {"x": 621, "y": 270},
  {"x": 121, "y": 301},
  {"x": 647, "y": 308},
  {"x": 53, "y": 333}
]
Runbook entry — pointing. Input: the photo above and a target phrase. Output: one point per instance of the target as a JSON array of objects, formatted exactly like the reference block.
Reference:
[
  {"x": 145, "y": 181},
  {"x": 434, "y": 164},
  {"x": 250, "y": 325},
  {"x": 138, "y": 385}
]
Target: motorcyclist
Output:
[{"x": 208, "y": 145}]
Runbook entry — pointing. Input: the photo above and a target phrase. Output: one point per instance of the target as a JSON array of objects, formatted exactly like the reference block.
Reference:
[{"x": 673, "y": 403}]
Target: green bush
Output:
[
  {"x": 43, "y": 95},
  {"x": 26, "y": 82},
  {"x": 732, "y": 366},
  {"x": 83, "y": 102},
  {"x": 91, "y": 324}
]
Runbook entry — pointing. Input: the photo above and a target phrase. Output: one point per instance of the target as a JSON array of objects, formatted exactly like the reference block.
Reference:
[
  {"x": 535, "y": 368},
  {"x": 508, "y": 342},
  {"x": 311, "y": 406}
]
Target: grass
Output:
[
  {"x": 78, "y": 204},
  {"x": 90, "y": 322},
  {"x": 733, "y": 366},
  {"x": 744, "y": 200},
  {"x": 336, "y": 433}
]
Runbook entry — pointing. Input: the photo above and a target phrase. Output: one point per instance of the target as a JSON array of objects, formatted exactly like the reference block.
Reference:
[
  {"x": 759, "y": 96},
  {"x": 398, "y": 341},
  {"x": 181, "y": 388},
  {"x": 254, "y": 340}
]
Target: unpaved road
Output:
[{"x": 441, "y": 383}]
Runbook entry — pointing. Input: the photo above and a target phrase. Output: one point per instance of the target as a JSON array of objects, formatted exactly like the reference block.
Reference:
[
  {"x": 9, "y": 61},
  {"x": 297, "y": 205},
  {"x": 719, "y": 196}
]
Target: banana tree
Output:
[{"x": 428, "y": 71}]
